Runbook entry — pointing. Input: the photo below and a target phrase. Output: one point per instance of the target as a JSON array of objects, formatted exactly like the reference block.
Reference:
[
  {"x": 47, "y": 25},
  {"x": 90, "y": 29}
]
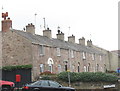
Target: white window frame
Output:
[
  {"x": 85, "y": 69},
  {"x": 93, "y": 56},
  {"x": 50, "y": 64},
  {"x": 41, "y": 68},
  {"x": 100, "y": 57},
  {"x": 84, "y": 55},
  {"x": 101, "y": 68},
  {"x": 72, "y": 54},
  {"x": 50, "y": 68}
]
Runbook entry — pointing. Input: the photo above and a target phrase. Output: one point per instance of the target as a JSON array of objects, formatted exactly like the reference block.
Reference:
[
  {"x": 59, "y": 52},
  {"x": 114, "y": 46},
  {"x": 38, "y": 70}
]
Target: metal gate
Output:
[{"x": 11, "y": 76}]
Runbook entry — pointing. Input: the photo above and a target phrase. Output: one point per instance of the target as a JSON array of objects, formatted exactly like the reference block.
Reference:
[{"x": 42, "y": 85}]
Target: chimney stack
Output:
[
  {"x": 30, "y": 28},
  {"x": 60, "y": 35},
  {"x": 82, "y": 41},
  {"x": 47, "y": 33},
  {"x": 89, "y": 43},
  {"x": 71, "y": 39},
  {"x": 6, "y": 23}
]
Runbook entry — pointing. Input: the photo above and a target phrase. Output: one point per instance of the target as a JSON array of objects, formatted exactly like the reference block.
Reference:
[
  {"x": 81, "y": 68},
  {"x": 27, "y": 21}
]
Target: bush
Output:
[
  {"x": 47, "y": 73},
  {"x": 46, "y": 77},
  {"x": 10, "y": 68},
  {"x": 87, "y": 77},
  {"x": 64, "y": 76},
  {"x": 110, "y": 78}
]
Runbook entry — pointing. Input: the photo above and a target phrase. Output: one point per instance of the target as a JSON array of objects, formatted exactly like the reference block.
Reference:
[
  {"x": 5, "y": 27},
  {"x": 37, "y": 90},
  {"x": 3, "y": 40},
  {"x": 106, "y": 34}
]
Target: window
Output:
[
  {"x": 100, "y": 57},
  {"x": 58, "y": 51},
  {"x": 94, "y": 69},
  {"x": 54, "y": 84},
  {"x": 73, "y": 68},
  {"x": 41, "y": 68},
  {"x": 101, "y": 68},
  {"x": 50, "y": 64},
  {"x": 69, "y": 54},
  {"x": 42, "y": 50},
  {"x": 78, "y": 67},
  {"x": 66, "y": 65},
  {"x": 85, "y": 69},
  {"x": 88, "y": 67},
  {"x": 105, "y": 69},
  {"x": 59, "y": 68},
  {"x": 44, "y": 83},
  {"x": 72, "y": 54},
  {"x": 50, "y": 67},
  {"x": 93, "y": 57},
  {"x": 84, "y": 55},
  {"x": 36, "y": 83},
  {"x": 97, "y": 67}
]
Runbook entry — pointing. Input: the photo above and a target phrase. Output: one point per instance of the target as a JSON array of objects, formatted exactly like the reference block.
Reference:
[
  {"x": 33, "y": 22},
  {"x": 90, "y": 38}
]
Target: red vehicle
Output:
[{"x": 6, "y": 85}]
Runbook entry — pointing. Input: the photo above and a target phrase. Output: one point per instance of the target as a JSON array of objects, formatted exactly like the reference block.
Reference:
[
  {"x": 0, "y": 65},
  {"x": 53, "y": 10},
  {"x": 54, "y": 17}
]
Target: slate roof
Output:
[{"x": 42, "y": 40}]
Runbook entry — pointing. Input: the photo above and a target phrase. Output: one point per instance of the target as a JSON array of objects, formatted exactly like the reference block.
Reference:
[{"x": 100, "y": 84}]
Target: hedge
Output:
[
  {"x": 64, "y": 76},
  {"x": 87, "y": 77},
  {"x": 10, "y": 68}
]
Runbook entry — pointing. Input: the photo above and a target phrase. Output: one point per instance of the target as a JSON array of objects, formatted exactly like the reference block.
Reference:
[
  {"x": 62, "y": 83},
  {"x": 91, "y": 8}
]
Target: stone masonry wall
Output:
[
  {"x": 16, "y": 50},
  {"x": 72, "y": 62}
]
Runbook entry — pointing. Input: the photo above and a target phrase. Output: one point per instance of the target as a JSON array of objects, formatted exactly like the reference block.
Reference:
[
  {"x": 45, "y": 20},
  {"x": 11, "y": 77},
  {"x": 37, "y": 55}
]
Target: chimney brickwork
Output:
[
  {"x": 47, "y": 33},
  {"x": 6, "y": 23},
  {"x": 89, "y": 43},
  {"x": 71, "y": 39},
  {"x": 60, "y": 35},
  {"x": 30, "y": 28},
  {"x": 82, "y": 41}
]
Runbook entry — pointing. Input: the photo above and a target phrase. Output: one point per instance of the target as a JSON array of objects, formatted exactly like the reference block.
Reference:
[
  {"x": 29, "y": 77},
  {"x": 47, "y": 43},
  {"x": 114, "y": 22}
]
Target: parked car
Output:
[
  {"x": 6, "y": 85},
  {"x": 46, "y": 85}
]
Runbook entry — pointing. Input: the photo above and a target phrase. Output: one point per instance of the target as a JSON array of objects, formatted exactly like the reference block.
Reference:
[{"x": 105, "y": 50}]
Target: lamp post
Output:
[{"x": 69, "y": 83}]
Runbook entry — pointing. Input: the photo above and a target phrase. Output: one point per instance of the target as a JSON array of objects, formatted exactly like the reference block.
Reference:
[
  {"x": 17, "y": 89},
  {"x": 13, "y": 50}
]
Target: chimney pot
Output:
[
  {"x": 47, "y": 28},
  {"x": 6, "y": 24},
  {"x": 8, "y": 18},
  {"x": 58, "y": 31}
]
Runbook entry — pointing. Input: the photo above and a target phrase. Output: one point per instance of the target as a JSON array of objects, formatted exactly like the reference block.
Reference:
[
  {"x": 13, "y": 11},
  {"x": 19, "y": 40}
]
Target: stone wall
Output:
[
  {"x": 16, "y": 50},
  {"x": 64, "y": 59},
  {"x": 92, "y": 85},
  {"x": 114, "y": 61}
]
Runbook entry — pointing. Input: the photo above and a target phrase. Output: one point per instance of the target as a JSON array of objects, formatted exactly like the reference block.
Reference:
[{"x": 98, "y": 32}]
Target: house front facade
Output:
[{"x": 23, "y": 47}]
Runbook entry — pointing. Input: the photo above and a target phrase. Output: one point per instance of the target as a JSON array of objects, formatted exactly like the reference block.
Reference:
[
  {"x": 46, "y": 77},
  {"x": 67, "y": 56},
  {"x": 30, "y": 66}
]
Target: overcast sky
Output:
[{"x": 93, "y": 19}]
